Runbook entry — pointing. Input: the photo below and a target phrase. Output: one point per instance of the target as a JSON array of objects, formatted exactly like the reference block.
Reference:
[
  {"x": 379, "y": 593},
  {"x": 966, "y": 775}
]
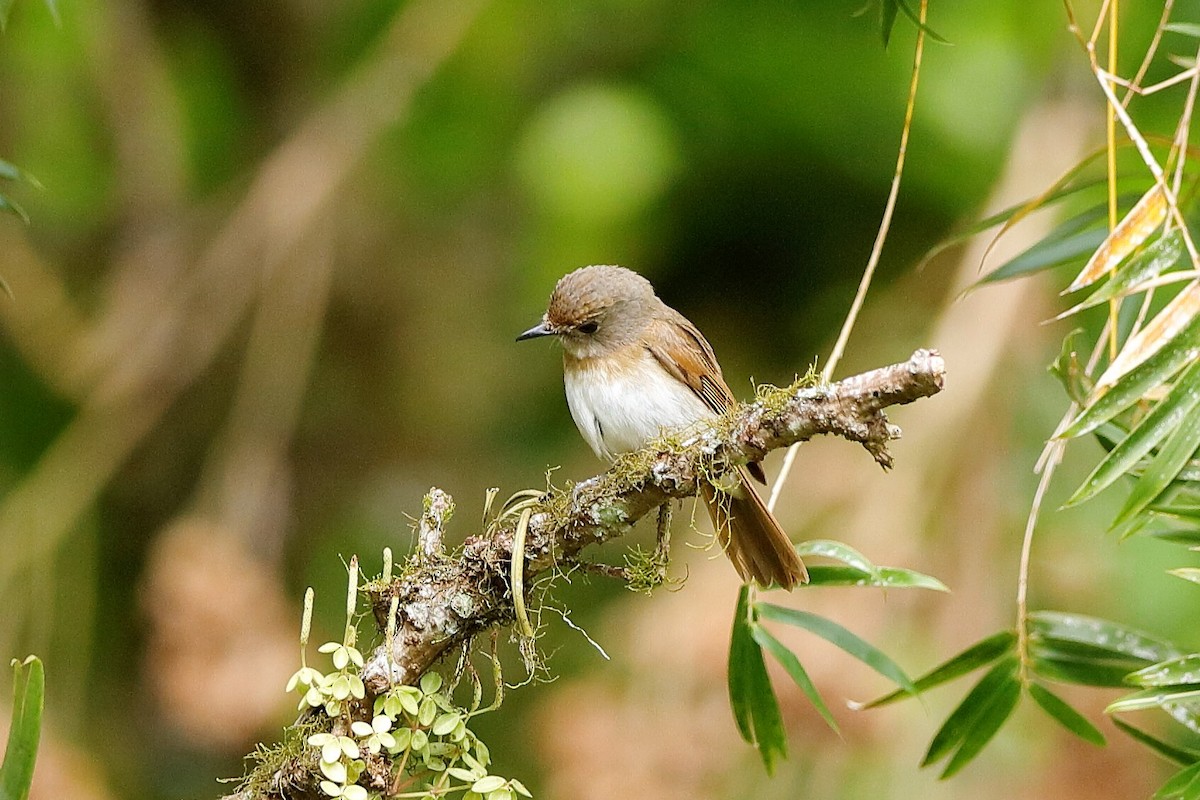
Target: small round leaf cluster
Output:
[
  {"x": 432, "y": 740},
  {"x": 330, "y": 690}
]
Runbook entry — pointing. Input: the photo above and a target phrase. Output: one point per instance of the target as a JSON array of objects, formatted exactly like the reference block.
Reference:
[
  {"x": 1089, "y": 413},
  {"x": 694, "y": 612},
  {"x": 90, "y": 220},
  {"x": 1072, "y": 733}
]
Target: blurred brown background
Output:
[{"x": 268, "y": 297}]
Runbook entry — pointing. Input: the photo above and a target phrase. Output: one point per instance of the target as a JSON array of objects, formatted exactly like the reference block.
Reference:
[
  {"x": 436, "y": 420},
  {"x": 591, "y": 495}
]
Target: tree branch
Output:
[{"x": 441, "y": 601}]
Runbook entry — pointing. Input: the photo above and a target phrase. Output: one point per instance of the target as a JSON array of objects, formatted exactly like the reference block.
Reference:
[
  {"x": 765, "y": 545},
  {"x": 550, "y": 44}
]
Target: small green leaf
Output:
[
  {"x": 1074, "y": 669},
  {"x": 1068, "y": 717},
  {"x": 838, "y": 551},
  {"x": 795, "y": 670},
  {"x": 1182, "y": 784},
  {"x": 1162, "y": 254},
  {"x": 977, "y": 655},
  {"x": 1186, "y": 28},
  {"x": 974, "y": 715},
  {"x": 1186, "y": 714},
  {"x": 1163, "y": 468},
  {"x": 1071, "y": 240},
  {"x": 1078, "y": 649},
  {"x": 1187, "y": 573},
  {"x": 1185, "y": 669},
  {"x": 740, "y": 664},
  {"x": 1168, "y": 415},
  {"x": 487, "y": 784},
  {"x": 1070, "y": 372},
  {"x": 750, "y": 694},
  {"x": 887, "y": 19},
  {"x": 882, "y": 578},
  {"x": 830, "y": 631},
  {"x": 912, "y": 15},
  {"x": 29, "y": 690},
  {"x": 1061, "y": 629},
  {"x": 1060, "y": 190},
  {"x": 1179, "y": 755},
  {"x": 444, "y": 724},
  {"x": 986, "y": 725},
  {"x": 1157, "y": 697},
  {"x": 1182, "y": 350}
]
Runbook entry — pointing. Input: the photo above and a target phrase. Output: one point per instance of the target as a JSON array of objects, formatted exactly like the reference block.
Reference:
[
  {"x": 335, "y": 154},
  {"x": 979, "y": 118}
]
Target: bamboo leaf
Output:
[
  {"x": 1061, "y": 629},
  {"x": 1070, "y": 372},
  {"x": 887, "y": 20},
  {"x": 1163, "y": 468},
  {"x": 972, "y": 710},
  {"x": 1175, "y": 317},
  {"x": 795, "y": 670},
  {"x": 1186, "y": 714},
  {"x": 740, "y": 665},
  {"x": 1167, "y": 416},
  {"x": 986, "y": 725},
  {"x": 1081, "y": 671},
  {"x": 900, "y": 578},
  {"x": 1068, "y": 717},
  {"x": 1156, "y": 697},
  {"x": 1186, "y": 28},
  {"x": 977, "y": 655},
  {"x": 1135, "y": 228},
  {"x": 1179, "y": 785},
  {"x": 912, "y": 15},
  {"x": 838, "y": 551},
  {"x": 1010, "y": 216},
  {"x": 29, "y": 689},
  {"x": 835, "y": 634},
  {"x": 1047, "y": 254},
  {"x": 1185, "y": 669},
  {"x": 1179, "y": 755},
  {"x": 1153, "y": 372},
  {"x": 754, "y": 704},
  {"x": 1159, "y": 256},
  {"x": 1187, "y": 573}
]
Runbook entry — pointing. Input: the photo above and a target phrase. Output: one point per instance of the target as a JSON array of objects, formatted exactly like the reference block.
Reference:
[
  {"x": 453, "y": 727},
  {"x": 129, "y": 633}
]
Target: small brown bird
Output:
[{"x": 634, "y": 367}]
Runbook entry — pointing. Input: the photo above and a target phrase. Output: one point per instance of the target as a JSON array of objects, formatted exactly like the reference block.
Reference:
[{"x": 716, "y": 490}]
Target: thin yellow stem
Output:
[
  {"x": 1144, "y": 67},
  {"x": 876, "y": 250},
  {"x": 1055, "y": 455},
  {"x": 1110, "y": 128}
]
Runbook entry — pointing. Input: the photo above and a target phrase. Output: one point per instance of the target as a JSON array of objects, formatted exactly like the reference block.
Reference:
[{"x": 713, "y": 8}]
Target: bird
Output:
[{"x": 634, "y": 368}]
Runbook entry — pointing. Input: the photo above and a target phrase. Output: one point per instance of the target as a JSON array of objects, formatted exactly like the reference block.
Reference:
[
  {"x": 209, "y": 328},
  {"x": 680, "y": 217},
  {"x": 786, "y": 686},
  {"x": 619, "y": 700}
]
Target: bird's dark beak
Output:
[{"x": 541, "y": 329}]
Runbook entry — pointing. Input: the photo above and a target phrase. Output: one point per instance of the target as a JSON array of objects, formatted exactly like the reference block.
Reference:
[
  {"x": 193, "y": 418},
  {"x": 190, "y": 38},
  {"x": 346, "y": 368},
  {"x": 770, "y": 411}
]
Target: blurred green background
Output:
[{"x": 268, "y": 297}]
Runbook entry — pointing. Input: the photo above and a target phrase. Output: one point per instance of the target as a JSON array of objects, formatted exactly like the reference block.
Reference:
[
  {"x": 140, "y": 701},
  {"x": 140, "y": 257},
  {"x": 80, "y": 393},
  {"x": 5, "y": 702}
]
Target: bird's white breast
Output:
[{"x": 620, "y": 404}]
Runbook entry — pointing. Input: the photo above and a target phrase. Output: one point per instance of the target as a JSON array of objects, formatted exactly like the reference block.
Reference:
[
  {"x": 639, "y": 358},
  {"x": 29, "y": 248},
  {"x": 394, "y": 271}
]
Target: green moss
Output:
[{"x": 289, "y": 761}]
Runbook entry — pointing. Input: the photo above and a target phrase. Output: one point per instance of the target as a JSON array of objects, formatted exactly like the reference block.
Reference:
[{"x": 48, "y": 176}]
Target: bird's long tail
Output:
[{"x": 751, "y": 536}]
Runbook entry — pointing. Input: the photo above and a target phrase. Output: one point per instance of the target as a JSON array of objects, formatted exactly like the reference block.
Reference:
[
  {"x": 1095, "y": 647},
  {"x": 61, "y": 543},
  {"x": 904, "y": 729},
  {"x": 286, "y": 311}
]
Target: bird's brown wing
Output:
[{"x": 684, "y": 352}]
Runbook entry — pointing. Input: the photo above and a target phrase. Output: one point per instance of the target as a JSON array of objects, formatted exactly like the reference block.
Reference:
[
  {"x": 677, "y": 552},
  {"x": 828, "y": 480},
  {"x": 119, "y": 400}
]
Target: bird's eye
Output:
[{"x": 589, "y": 327}]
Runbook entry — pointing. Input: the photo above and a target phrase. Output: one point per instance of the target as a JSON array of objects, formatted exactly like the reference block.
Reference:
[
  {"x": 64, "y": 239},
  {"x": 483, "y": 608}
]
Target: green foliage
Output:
[
  {"x": 857, "y": 570},
  {"x": 418, "y": 733},
  {"x": 29, "y": 689},
  {"x": 755, "y": 705},
  {"x": 977, "y": 718}
]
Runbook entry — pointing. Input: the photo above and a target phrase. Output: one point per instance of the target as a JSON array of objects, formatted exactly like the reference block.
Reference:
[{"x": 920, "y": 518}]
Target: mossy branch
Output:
[
  {"x": 440, "y": 602},
  {"x": 443, "y": 603}
]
